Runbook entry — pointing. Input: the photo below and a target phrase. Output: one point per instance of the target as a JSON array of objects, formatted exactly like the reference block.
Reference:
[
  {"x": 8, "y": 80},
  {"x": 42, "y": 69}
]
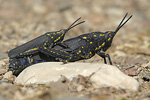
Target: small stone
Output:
[
  {"x": 1, "y": 77},
  {"x": 2, "y": 71},
  {"x": 80, "y": 88},
  {"x": 9, "y": 76}
]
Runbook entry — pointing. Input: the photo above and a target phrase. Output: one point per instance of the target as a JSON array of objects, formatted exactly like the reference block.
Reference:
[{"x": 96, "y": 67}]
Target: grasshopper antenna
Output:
[
  {"x": 120, "y": 25},
  {"x": 72, "y": 25}
]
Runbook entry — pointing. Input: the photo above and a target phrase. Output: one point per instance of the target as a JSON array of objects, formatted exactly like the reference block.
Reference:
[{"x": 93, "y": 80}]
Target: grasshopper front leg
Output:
[{"x": 104, "y": 55}]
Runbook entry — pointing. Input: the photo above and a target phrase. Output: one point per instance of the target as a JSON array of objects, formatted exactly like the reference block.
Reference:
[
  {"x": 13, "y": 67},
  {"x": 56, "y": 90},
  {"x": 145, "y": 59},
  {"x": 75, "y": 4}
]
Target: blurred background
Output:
[{"x": 23, "y": 20}]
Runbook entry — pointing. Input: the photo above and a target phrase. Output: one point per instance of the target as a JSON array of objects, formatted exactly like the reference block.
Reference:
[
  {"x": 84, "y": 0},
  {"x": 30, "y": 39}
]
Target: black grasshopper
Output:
[
  {"x": 84, "y": 46},
  {"x": 28, "y": 53},
  {"x": 46, "y": 40}
]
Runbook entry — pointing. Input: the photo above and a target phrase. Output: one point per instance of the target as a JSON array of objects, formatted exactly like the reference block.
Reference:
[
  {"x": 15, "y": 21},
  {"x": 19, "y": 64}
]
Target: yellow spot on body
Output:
[
  {"x": 90, "y": 42},
  {"x": 103, "y": 44},
  {"x": 57, "y": 53},
  {"x": 105, "y": 53},
  {"x": 20, "y": 53},
  {"x": 102, "y": 34},
  {"x": 66, "y": 61},
  {"x": 82, "y": 47},
  {"x": 90, "y": 52},
  {"x": 108, "y": 32},
  {"x": 52, "y": 37},
  {"x": 84, "y": 37},
  {"x": 58, "y": 37},
  {"x": 44, "y": 43},
  {"x": 62, "y": 34},
  {"x": 82, "y": 56},
  {"x": 99, "y": 46},
  {"x": 70, "y": 58},
  {"x": 58, "y": 32},
  {"x": 79, "y": 51},
  {"x": 48, "y": 34},
  {"x": 54, "y": 33},
  {"x": 109, "y": 39},
  {"x": 94, "y": 35},
  {"x": 96, "y": 48},
  {"x": 19, "y": 66},
  {"x": 53, "y": 52},
  {"x": 31, "y": 60},
  {"x": 45, "y": 48}
]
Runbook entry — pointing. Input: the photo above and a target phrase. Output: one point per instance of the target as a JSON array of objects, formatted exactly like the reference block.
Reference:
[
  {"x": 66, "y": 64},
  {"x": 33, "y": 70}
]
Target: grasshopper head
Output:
[{"x": 109, "y": 35}]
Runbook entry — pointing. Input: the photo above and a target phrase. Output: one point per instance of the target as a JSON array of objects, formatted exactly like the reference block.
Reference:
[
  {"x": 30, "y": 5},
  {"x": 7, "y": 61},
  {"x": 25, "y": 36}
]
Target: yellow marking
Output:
[
  {"x": 82, "y": 56},
  {"x": 90, "y": 42},
  {"x": 103, "y": 44},
  {"x": 20, "y": 53},
  {"x": 82, "y": 47},
  {"x": 45, "y": 48},
  {"x": 87, "y": 40},
  {"x": 54, "y": 33},
  {"x": 58, "y": 37},
  {"x": 109, "y": 39},
  {"x": 31, "y": 60},
  {"x": 19, "y": 66},
  {"x": 96, "y": 48},
  {"x": 66, "y": 52},
  {"x": 67, "y": 56},
  {"x": 44, "y": 43},
  {"x": 79, "y": 51},
  {"x": 53, "y": 52},
  {"x": 66, "y": 61},
  {"x": 62, "y": 55},
  {"x": 94, "y": 35},
  {"x": 48, "y": 34},
  {"x": 62, "y": 34},
  {"x": 70, "y": 58},
  {"x": 105, "y": 53},
  {"x": 52, "y": 37},
  {"x": 102, "y": 34},
  {"x": 84, "y": 37},
  {"x": 108, "y": 32},
  {"x": 57, "y": 53},
  {"x": 58, "y": 32},
  {"x": 99, "y": 46},
  {"x": 90, "y": 52}
]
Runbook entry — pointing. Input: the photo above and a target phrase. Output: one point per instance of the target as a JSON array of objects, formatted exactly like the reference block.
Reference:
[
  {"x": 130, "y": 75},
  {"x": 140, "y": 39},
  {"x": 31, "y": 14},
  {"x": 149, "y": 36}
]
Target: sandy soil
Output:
[{"x": 22, "y": 20}]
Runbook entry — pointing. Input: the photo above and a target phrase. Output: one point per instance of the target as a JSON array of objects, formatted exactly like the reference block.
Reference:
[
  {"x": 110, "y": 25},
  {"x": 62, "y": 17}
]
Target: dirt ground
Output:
[{"x": 23, "y": 20}]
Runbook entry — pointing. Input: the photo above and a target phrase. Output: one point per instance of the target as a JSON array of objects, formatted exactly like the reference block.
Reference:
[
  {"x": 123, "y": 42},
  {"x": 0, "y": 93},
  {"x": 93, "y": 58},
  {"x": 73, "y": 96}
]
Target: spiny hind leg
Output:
[
  {"x": 60, "y": 54},
  {"x": 28, "y": 52}
]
